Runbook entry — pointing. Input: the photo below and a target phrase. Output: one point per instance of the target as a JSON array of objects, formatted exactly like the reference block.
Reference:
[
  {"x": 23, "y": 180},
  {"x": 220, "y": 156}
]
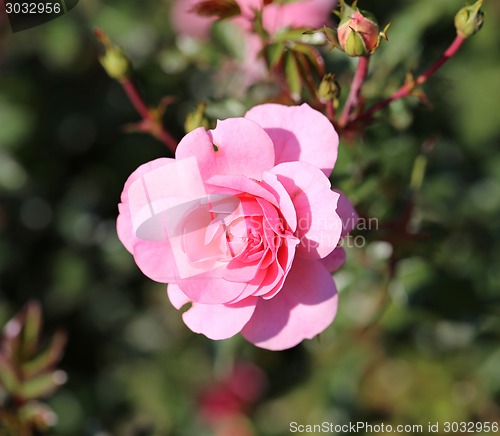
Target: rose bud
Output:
[
  {"x": 329, "y": 89},
  {"x": 469, "y": 19},
  {"x": 114, "y": 60},
  {"x": 358, "y": 32}
]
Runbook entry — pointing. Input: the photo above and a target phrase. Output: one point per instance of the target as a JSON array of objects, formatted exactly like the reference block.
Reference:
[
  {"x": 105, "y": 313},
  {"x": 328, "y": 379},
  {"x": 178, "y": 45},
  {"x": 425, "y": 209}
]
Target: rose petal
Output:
[
  {"x": 211, "y": 288},
  {"x": 305, "y": 307},
  {"x": 176, "y": 296},
  {"x": 216, "y": 321},
  {"x": 155, "y": 259},
  {"x": 238, "y": 271},
  {"x": 160, "y": 198},
  {"x": 124, "y": 225},
  {"x": 239, "y": 184},
  {"x": 284, "y": 263},
  {"x": 309, "y": 13},
  {"x": 285, "y": 204},
  {"x": 237, "y": 146},
  {"x": 299, "y": 133},
  {"x": 186, "y": 22},
  {"x": 334, "y": 260},
  {"x": 219, "y": 321},
  {"x": 347, "y": 213},
  {"x": 318, "y": 225}
]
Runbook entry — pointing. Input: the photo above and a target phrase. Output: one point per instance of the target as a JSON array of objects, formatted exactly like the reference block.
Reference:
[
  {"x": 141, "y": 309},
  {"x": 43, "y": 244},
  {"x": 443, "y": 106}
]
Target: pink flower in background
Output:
[
  {"x": 243, "y": 225},
  {"x": 233, "y": 395},
  {"x": 275, "y": 16}
]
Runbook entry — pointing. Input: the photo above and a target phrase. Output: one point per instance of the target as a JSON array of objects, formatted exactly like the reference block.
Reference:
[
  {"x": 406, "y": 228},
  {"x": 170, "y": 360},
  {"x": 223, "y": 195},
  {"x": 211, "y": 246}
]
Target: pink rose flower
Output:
[
  {"x": 275, "y": 16},
  {"x": 243, "y": 225}
]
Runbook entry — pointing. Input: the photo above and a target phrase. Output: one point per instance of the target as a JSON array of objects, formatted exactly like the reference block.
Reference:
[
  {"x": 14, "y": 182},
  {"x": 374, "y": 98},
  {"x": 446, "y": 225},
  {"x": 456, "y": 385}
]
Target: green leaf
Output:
[
  {"x": 274, "y": 54},
  {"x": 292, "y": 75},
  {"x": 41, "y": 386},
  {"x": 196, "y": 119},
  {"x": 48, "y": 359},
  {"x": 287, "y": 35},
  {"x": 32, "y": 328},
  {"x": 8, "y": 376},
  {"x": 313, "y": 57}
]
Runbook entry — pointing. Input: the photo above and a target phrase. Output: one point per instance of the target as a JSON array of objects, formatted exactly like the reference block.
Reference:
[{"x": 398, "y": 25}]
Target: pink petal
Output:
[
  {"x": 154, "y": 258},
  {"x": 211, "y": 288},
  {"x": 305, "y": 13},
  {"x": 186, "y": 22},
  {"x": 285, "y": 203},
  {"x": 157, "y": 197},
  {"x": 334, "y": 260},
  {"x": 299, "y": 133},
  {"x": 347, "y": 213},
  {"x": 239, "y": 271},
  {"x": 239, "y": 184},
  {"x": 237, "y": 146},
  {"x": 283, "y": 263},
  {"x": 318, "y": 225},
  {"x": 161, "y": 196},
  {"x": 216, "y": 321},
  {"x": 176, "y": 296},
  {"x": 124, "y": 225},
  {"x": 305, "y": 307},
  {"x": 219, "y": 321}
]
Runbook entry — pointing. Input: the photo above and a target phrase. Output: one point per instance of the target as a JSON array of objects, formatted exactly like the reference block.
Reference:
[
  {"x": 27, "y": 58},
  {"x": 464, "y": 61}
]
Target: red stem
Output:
[
  {"x": 355, "y": 92},
  {"x": 154, "y": 126},
  {"x": 330, "y": 110},
  {"x": 407, "y": 88}
]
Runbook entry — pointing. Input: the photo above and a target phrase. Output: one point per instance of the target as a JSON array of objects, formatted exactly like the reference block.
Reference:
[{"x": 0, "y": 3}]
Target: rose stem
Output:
[
  {"x": 330, "y": 110},
  {"x": 156, "y": 129},
  {"x": 407, "y": 88},
  {"x": 355, "y": 92}
]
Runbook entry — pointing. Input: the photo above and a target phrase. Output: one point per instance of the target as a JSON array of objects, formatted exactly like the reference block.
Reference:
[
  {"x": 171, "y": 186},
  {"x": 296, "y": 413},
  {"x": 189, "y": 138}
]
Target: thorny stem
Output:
[
  {"x": 355, "y": 92},
  {"x": 148, "y": 118},
  {"x": 408, "y": 87}
]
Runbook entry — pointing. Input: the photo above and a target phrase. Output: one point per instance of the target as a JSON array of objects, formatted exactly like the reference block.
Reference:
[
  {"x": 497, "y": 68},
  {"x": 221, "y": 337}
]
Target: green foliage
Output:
[{"x": 26, "y": 374}]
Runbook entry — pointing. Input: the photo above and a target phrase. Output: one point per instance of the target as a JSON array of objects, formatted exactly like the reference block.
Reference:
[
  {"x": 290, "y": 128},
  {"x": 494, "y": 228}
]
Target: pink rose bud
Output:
[{"x": 358, "y": 32}]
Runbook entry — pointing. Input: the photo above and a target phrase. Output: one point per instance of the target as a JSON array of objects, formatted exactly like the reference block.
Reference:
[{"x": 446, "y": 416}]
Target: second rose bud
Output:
[{"x": 358, "y": 32}]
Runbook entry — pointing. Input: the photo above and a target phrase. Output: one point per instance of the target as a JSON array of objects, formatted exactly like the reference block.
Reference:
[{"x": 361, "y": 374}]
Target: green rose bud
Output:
[
  {"x": 329, "y": 90},
  {"x": 469, "y": 19},
  {"x": 114, "y": 60}
]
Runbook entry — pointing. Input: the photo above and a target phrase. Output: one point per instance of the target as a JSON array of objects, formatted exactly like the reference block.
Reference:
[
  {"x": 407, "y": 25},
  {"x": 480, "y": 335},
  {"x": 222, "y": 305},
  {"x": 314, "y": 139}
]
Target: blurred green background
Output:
[{"x": 418, "y": 345}]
